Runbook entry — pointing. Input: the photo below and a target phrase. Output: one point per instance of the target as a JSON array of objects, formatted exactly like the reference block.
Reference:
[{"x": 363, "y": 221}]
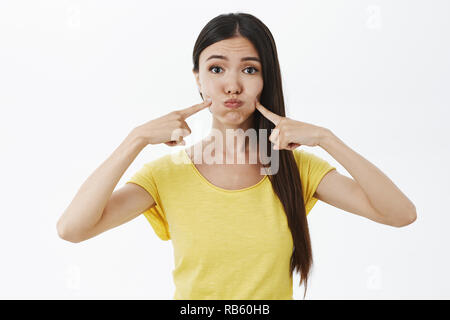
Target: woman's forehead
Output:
[{"x": 229, "y": 50}]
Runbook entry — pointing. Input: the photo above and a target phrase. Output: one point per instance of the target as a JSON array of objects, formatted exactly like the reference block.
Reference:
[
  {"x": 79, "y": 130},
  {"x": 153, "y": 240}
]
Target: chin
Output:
[{"x": 233, "y": 118}]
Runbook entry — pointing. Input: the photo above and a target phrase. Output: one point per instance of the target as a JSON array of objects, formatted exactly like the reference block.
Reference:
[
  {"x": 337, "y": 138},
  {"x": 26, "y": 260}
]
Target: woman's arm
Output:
[
  {"x": 369, "y": 183},
  {"x": 371, "y": 194},
  {"x": 94, "y": 210},
  {"x": 86, "y": 209}
]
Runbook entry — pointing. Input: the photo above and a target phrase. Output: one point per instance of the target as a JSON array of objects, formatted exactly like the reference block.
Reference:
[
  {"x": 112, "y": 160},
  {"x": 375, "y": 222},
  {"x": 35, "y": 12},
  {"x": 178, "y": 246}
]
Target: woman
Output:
[{"x": 237, "y": 233}]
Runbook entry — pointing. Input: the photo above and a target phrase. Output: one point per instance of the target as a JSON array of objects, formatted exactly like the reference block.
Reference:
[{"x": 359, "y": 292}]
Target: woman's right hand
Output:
[{"x": 170, "y": 128}]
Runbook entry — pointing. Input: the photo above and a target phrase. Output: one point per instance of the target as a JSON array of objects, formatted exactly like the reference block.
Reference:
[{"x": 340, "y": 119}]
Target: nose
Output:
[
  {"x": 232, "y": 85},
  {"x": 233, "y": 91}
]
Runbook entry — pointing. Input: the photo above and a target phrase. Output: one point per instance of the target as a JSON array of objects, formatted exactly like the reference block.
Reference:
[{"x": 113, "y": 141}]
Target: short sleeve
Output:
[
  {"x": 155, "y": 215},
  {"x": 312, "y": 169}
]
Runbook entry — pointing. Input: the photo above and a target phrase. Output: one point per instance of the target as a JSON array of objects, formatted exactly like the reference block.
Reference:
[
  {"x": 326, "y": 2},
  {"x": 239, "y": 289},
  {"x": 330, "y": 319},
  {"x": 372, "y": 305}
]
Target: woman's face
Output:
[{"x": 230, "y": 78}]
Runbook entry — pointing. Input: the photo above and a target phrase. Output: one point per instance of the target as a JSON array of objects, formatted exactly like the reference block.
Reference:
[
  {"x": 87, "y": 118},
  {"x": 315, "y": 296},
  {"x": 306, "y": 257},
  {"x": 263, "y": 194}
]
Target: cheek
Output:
[{"x": 209, "y": 91}]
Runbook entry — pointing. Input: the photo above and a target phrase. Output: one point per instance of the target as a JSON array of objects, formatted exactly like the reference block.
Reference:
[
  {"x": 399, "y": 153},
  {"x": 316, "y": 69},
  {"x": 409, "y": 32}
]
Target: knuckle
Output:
[
  {"x": 175, "y": 134},
  {"x": 177, "y": 115}
]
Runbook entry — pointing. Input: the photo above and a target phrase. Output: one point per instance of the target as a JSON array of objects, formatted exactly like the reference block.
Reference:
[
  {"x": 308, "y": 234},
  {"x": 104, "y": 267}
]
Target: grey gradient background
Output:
[{"x": 77, "y": 76}]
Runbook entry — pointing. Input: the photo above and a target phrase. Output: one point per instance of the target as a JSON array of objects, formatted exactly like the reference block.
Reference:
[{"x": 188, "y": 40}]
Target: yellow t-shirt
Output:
[{"x": 228, "y": 244}]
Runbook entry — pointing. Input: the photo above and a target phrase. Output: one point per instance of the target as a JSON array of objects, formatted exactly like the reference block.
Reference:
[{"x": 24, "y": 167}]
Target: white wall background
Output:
[{"x": 77, "y": 76}]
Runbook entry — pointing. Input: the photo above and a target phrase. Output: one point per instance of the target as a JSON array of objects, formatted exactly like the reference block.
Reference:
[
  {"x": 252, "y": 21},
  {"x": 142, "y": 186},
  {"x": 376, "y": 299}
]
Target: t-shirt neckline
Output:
[{"x": 217, "y": 187}]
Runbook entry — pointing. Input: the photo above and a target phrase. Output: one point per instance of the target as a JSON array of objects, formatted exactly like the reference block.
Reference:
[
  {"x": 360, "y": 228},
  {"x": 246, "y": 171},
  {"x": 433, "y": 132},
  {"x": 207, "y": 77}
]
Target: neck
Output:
[{"x": 231, "y": 136}]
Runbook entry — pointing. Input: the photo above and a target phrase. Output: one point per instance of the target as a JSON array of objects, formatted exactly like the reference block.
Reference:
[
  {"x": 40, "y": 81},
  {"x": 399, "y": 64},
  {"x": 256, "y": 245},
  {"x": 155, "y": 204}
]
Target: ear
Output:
[{"x": 197, "y": 79}]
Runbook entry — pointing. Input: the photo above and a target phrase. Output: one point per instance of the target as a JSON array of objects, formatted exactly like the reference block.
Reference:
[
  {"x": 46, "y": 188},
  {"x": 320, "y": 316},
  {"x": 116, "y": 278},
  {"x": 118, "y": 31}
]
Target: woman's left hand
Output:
[{"x": 290, "y": 134}]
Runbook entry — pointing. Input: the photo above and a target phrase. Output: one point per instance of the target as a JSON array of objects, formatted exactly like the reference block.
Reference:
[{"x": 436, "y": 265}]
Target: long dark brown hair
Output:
[{"x": 286, "y": 182}]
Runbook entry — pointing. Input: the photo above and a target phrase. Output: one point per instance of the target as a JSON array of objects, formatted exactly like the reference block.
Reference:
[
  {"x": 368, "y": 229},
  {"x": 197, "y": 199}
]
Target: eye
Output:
[
  {"x": 256, "y": 70},
  {"x": 214, "y": 67}
]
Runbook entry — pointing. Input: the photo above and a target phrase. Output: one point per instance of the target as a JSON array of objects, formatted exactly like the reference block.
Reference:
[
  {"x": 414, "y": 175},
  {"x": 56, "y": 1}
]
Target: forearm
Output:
[
  {"x": 383, "y": 194},
  {"x": 87, "y": 206}
]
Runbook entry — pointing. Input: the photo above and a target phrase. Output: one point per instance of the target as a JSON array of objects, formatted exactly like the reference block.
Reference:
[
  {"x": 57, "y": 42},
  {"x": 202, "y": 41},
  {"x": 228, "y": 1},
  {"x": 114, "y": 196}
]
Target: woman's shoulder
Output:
[
  {"x": 167, "y": 162},
  {"x": 303, "y": 155},
  {"x": 308, "y": 161},
  {"x": 298, "y": 154}
]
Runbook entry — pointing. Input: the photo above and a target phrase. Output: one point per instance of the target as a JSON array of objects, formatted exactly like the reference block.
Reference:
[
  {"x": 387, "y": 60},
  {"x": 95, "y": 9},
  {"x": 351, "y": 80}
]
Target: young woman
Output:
[{"x": 237, "y": 233}]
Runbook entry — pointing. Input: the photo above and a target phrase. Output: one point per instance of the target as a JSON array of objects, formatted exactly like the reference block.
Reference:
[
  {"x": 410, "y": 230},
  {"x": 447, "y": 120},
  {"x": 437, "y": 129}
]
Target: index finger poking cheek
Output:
[
  {"x": 272, "y": 117},
  {"x": 195, "y": 108}
]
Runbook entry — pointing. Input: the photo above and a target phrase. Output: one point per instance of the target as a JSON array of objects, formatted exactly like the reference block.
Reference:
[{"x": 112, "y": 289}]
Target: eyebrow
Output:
[{"x": 216, "y": 56}]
